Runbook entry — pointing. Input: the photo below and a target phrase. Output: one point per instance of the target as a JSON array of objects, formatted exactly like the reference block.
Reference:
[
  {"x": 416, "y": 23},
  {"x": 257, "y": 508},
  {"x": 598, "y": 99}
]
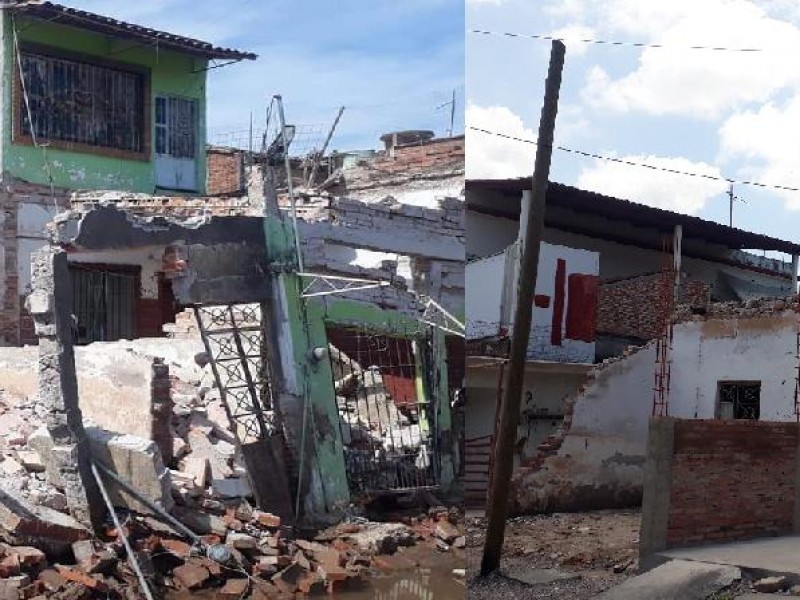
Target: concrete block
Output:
[
  {"x": 39, "y": 303},
  {"x": 112, "y": 370},
  {"x": 198, "y": 469},
  {"x": 135, "y": 460},
  {"x": 232, "y": 488},
  {"x": 41, "y": 441}
]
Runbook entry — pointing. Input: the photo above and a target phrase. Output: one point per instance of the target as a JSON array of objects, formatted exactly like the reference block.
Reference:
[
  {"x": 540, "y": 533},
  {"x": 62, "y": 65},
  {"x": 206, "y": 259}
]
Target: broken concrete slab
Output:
[
  {"x": 200, "y": 522},
  {"x": 138, "y": 462},
  {"x": 135, "y": 460},
  {"x": 203, "y": 447},
  {"x": 236, "y": 487},
  {"x": 683, "y": 579},
  {"x": 111, "y": 370},
  {"x": 199, "y": 469},
  {"x": 24, "y": 524},
  {"x": 381, "y": 538}
]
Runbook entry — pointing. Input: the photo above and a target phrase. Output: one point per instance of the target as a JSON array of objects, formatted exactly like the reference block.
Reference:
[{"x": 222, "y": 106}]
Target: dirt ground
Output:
[{"x": 597, "y": 549}]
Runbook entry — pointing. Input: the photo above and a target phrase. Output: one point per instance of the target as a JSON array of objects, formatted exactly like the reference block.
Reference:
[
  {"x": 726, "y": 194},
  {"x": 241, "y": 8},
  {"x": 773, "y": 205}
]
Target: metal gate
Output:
[
  {"x": 233, "y": 337},
  {"x": 104, "y": 303},
  {"x": 387, "y": 426}
]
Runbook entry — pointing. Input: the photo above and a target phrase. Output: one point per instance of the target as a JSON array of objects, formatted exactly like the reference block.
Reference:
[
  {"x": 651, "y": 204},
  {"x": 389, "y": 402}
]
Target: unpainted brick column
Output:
[
  {"x": 161, "y": 409},
  {"x": 50, "y": 304},
  {"x": 9, "y": 317},
  {"x": 657, "y": 484}
]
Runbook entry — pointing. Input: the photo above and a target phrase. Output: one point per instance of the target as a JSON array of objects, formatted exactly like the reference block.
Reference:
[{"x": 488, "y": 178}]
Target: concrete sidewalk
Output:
[
  {"x": 675, "y": 580},
  {"x": 778, "y": 555}
]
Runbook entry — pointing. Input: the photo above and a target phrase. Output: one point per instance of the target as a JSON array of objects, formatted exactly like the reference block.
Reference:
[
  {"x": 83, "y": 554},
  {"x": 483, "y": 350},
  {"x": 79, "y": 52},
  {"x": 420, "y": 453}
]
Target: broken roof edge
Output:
[
  {"x": 66, "y": 15},
  {"x": 109, "y": 227},
  {"x": 620, "y": 209}
]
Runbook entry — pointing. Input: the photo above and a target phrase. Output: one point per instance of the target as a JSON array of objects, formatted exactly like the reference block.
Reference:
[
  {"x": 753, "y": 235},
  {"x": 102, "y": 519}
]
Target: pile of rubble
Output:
[
  {"x": 244, "y": 553},
  {"x": 385, "y": 446},
  {"x": 754, "y": 307},
  {"x": 226, "y": 546}
]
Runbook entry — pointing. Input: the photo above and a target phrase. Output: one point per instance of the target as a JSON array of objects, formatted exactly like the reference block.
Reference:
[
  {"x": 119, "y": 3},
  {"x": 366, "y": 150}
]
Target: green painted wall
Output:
[
  {"x": 171, "y": 73},
  {"x": 326, "y": 475}
]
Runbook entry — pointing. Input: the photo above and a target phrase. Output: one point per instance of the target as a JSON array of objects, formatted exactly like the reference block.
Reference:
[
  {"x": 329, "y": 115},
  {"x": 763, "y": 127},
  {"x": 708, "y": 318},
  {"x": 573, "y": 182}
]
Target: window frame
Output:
[
  {"x": 23, "y": 139},
  {"x": 739, "y": 383}
]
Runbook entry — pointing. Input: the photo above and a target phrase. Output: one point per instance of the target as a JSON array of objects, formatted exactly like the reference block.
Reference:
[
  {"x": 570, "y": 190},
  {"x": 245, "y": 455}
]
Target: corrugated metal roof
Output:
[
  {"x": 65, "y": 15},
  {"x": 618, "y": 209}
]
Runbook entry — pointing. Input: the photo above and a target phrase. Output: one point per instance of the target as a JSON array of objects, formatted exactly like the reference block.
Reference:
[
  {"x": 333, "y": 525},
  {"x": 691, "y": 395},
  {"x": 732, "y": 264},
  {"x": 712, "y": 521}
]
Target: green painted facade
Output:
[
  {"x": 171, "y": 74},
  {"x": 307, "y": 320}
]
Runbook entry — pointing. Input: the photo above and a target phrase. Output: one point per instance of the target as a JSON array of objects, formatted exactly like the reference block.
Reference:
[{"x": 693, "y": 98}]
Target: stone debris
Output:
[
  {"x": 246, "y": 552},
  {"x": 250, "y": 556},
  {"x": 769, "y": 585}
]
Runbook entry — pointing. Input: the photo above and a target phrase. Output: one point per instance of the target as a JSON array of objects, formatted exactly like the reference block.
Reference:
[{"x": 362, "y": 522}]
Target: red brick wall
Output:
[
  {"x": 631, "y": 307},
  {"x": 444, "y": 153},
  {"x": 225, "y": 172},
  {"x": 149, "y": 318},
  {"x": 16, "y": 326},
  {"x": 731, "y": 480}
]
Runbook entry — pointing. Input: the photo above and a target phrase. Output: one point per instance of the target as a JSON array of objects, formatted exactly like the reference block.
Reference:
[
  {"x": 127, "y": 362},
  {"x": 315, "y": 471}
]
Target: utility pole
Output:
[
  {"x": 452, "y": 105},
  {"x": 503, "y": 463},
  {"x": 452, "y": 113},
  {"x": 731, "y": 200}
]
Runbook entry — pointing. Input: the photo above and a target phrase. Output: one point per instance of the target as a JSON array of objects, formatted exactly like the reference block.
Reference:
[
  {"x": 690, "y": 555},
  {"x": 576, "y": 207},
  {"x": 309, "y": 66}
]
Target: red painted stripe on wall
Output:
[
  {"x": 556, "y": 334},
  {"x": 541, "y": 301},
  {"x": 582, "y": 307}
]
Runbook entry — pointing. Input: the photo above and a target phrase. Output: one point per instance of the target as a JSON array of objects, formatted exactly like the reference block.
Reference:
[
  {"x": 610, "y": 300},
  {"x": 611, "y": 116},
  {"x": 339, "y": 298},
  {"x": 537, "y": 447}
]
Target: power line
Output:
[
  {"x": 534, "y": 36},
  {"x": 631, "y": 163}
]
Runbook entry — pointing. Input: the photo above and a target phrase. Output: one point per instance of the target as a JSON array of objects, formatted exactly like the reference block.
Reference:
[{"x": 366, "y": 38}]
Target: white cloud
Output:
[
  {"x": 570, "y": 34},
  {"x": 573, "y": 9},
  {"x": 670, "y": 191},
  {"x": 494, "y": 157},
  {"x": 485, "y": 2},
  {"x": 699, "y": 83},
  {"x": 766, "y": 139}
]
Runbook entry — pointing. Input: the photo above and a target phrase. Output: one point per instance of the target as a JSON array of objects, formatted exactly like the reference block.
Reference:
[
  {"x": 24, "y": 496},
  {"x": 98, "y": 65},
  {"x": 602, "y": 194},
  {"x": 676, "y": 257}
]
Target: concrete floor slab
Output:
[
  {"x": 684, "y": 579},
  {"x": 775, "y": 555}
]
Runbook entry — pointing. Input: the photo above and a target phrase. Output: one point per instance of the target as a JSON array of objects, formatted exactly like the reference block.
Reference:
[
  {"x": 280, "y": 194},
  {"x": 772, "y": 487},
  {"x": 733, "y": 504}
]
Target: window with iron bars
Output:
[
  {"x": 79, "y": 104},
  {"x": 739, "y": 400}
]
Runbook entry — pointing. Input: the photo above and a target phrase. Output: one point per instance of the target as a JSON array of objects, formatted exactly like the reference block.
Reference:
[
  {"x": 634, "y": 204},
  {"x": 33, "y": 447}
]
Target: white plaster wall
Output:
[
  {"x": 149, "y": 258},
  {"x": 542, "y": 393},
  {"x": 758, "y": 349},
  {"x": 603, "y": 454},
  {"x": 491, "y": 295},
  {"x": 425, "y": 193},
  {"x": 31, "y": 222},
  {"x": 540, "y": 345},
  {"x": 485, "y": 280}
]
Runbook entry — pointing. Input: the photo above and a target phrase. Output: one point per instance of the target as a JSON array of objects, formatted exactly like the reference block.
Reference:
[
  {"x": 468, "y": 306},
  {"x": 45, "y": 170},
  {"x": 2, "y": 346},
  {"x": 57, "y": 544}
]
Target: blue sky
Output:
[
  {"x": 391, "y": 63},
  {"x": 718, "y": 113}
]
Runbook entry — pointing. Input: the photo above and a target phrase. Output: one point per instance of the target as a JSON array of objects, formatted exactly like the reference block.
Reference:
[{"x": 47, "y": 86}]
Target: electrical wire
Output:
[
  {"x": 785, "y": 188},
  {"x": 535, "y": 36},
  {"x": 29, "y": 114}
]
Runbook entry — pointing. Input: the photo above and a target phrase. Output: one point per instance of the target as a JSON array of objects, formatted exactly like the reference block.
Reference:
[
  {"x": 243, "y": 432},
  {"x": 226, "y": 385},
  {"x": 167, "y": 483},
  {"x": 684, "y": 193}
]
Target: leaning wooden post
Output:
[{"x": 503, "y": 463}]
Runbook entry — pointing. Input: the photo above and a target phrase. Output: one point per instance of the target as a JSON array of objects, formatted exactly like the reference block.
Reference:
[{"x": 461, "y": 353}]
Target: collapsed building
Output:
[
  {"x": 239, "y": 364},
  {"x": 306, "y": 390},
  {"x": 637, "y": 311}
]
